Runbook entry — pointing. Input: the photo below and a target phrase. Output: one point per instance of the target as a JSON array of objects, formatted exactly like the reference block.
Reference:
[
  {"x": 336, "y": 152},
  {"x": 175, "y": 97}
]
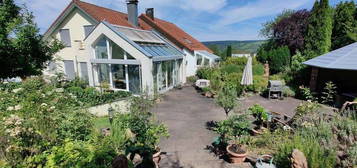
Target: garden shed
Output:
[{"x": 338, "y": 66}]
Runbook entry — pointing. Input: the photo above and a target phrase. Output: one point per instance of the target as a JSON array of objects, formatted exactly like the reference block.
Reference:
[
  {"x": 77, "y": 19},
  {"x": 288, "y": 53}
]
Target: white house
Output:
[{"x": 126, "y": 51}]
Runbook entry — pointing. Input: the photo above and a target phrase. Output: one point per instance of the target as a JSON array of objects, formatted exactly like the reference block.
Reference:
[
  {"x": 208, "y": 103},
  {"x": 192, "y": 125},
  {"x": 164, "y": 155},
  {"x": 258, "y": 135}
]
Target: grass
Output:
[{"x": 101, "y": 122}]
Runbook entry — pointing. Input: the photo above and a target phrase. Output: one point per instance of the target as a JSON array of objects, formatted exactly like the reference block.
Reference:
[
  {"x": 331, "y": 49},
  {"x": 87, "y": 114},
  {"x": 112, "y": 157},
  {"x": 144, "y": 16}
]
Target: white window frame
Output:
[{"x": 109, "y": 51}]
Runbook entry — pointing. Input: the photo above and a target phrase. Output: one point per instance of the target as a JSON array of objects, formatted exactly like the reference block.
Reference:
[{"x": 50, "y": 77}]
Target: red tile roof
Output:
[
  {"x": 169, "y": 30},
  {"x": 174, "y": 34}
]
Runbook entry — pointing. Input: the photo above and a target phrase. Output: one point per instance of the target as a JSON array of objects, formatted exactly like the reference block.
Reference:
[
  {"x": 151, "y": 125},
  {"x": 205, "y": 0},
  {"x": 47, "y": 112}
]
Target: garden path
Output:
[{"x": 186, "y": 113}]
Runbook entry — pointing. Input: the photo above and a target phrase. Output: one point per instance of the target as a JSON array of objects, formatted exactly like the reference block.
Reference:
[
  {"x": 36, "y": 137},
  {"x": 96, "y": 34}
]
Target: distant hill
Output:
[{"x": 250, "y": 46}]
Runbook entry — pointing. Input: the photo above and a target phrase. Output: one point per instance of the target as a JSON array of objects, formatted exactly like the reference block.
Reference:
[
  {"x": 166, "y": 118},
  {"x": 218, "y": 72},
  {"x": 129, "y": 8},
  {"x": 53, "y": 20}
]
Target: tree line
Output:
[{"x": 307, "y": 33}]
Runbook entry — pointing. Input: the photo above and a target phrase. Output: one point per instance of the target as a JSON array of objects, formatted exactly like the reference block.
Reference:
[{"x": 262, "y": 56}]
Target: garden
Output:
[
  {"x": 318, "y": 134},
  {"x": 46, "y": 124}
]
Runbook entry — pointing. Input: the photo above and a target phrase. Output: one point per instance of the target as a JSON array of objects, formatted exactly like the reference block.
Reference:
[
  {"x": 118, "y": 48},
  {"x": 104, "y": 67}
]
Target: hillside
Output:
[{"x": 247, "y": 46}]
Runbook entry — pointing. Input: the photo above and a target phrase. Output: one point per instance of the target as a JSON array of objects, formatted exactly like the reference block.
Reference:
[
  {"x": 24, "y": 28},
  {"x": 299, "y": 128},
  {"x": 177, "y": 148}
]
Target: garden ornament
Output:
[
  {"x": 298, "y": 159},
  {"x": 261, "y": 164},
  {"x": 111, "y": 114}
]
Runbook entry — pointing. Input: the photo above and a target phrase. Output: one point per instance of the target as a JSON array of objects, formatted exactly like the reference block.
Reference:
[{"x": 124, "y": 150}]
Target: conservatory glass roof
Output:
[{"x": 150, "y": 43}]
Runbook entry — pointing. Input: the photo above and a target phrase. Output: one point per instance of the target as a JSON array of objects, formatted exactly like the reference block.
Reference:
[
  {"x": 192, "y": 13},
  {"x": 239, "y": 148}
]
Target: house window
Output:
[
  {"x": 84, "y": 70},
  {"x": 199, "y": 59},
  {"x": 69, "y": 69},
  {"x": 119, "y": 76},
  {"x": 88, "y": 29},
  {"x": 117, "y": 52},
  {"x": 103, "y": 73},
  {"x": 65, "y": 37},
  {"x": 206, "y": 62},
  {"x": 134, "y": 78},
  {"x": 101, "y": 50}
]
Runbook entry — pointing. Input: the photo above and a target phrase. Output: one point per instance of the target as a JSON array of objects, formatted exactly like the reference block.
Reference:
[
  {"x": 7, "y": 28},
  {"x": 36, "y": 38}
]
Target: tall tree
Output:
[
  {"x": 290, "y": 31},
  {"x": 23, "y": 52},
  {"x": 267, "y": 30},
  {"x": 344, "y": 24},
  {"x": 319, "y": 30},
  {"x": 229, "y": 51}
]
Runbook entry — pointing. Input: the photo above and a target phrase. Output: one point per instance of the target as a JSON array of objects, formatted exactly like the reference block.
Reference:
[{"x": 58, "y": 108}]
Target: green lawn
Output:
[{"x": 101, "y": 122}]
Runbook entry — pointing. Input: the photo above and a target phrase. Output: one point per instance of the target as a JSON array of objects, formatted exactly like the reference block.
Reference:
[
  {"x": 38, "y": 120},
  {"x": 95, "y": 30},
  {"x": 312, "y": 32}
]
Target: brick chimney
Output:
[
  {"x": 150, "y": 13},
  {"x": 133, "y": 12}
]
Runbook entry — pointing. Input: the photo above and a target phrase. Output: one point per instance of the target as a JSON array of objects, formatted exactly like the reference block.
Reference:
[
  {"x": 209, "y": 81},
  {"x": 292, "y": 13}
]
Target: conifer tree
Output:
[
  {"x": 344, "y": 24},
  {"x": 319, "y": 30}
]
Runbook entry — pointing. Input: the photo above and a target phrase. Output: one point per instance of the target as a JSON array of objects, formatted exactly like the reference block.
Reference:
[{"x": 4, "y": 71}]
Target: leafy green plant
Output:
[
  {"x": 328, "y": 95},
  {"x": 233, "y": 128},
  {"x": 306, "y": 94},
  {"x": 260, "y": 113},
  {"x": 288, "y": 92},
  {"x": 316, "y": 155},
  {"x": 227, "y": 98},
  {"x": 258, "y": 69},
  {"x": 204, "y": 72},
  {"x": 192, "y": 79}
]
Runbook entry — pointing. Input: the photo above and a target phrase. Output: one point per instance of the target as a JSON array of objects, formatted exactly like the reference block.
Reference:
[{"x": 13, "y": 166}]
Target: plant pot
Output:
[
  {"x": 235, "y": 157},
  {"x": 156, "y": 157}
]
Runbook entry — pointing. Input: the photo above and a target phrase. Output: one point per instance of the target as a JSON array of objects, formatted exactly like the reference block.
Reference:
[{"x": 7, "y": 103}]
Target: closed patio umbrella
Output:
[{"x": 247, "y": 78}]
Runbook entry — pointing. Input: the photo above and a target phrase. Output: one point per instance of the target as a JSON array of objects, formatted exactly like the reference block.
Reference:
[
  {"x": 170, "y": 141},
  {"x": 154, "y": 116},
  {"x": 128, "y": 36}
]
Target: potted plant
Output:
[
  {"x": 232, "y": 132},
  {"x": 261, "y": 116}
]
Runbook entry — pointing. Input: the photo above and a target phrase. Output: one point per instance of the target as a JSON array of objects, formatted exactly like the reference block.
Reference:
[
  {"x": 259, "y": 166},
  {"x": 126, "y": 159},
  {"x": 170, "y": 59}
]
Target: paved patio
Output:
[{"x": 186, "y": 113}]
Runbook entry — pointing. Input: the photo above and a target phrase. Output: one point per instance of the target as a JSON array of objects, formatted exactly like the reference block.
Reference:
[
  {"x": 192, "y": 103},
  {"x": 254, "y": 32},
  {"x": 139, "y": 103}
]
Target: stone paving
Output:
[{"x": 186, "y": 113}]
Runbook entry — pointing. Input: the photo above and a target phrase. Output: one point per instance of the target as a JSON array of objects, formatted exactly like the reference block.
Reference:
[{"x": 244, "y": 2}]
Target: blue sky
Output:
[{"x": 207, "y": 20}]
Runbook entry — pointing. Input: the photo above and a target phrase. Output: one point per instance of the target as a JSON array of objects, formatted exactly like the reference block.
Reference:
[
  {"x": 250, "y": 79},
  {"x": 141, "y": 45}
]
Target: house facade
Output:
[{"x": 126, "y": 51}]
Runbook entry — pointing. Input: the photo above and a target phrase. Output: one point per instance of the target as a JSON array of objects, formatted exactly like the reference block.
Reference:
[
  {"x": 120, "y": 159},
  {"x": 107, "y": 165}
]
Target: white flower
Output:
[
  {"x": 43, "y": 104},
  {"x": 18, "y": 107},
  {"x": 59, "y": 90},
  {"x": 10, "y": 108},
  {"x": 17, "y": 90},
  {"x": 43, "y": 95}
]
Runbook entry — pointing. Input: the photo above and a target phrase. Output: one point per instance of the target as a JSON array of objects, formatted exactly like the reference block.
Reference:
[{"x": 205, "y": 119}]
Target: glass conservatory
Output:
[
  {"x": 119, "y": 72},
  {"x": 154, "y": 66}
]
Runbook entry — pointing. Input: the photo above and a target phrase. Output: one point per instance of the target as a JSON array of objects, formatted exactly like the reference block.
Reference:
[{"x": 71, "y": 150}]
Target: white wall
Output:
[
  {"x": 190, "y": 63},
  {"x": 74, "y": 22}
]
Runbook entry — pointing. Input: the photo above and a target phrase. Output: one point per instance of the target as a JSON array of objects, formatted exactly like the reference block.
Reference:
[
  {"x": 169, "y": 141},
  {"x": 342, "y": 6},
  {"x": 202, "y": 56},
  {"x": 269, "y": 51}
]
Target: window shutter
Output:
[
  {"x": 65, "y": 37},
  {"x": 87, "y": 30}
]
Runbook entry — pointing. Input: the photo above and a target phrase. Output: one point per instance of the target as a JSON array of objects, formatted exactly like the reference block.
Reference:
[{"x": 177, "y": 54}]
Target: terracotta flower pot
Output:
[
  {"x": 157, "y": 158},
  {"x": 236, "y": 157}
]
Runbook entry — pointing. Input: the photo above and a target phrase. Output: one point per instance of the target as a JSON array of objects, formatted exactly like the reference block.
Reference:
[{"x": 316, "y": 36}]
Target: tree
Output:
[
  {"x": 227, "y": 97},
  {"x": 279, "y": 59},
  {"x": 22, "y": 50},
  {"x": 319, "y": 30},
  {"x": 229, "y": 51},
  {"x": 290, "y": 31},
  {"x": 267, "y": 30},
  {"x": 344, "y": 25}
]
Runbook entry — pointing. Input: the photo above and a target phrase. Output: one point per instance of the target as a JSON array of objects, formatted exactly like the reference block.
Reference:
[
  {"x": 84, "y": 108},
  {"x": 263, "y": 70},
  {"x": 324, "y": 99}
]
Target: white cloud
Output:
[{"x": 257, "y": 9}]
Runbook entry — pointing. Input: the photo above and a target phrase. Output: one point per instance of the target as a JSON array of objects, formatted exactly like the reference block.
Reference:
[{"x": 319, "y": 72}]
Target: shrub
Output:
[
  {"x": 306, "y": 94},
  {"x": 234, "y": 80},
  {"x": 232, "y": 68},
  {"x": 328, "y": 95},
  {"x": 227, "y": 97},
  {"x": 288, "y": 92},
  {"x": 204, "y": 72},
  {"x": 260, "y": 83},
  {"x": 242, "y": 61},
  {"x": 233, "y": 128},
  {"x": 316, "y": 155},
  {"x": 259, "y": 113},
  {"x": 80, "y": 154},
  {"x": 258, "y": 69},
  {"x": 192, "y": 79},
  {"x": 279, "y": 59}
]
